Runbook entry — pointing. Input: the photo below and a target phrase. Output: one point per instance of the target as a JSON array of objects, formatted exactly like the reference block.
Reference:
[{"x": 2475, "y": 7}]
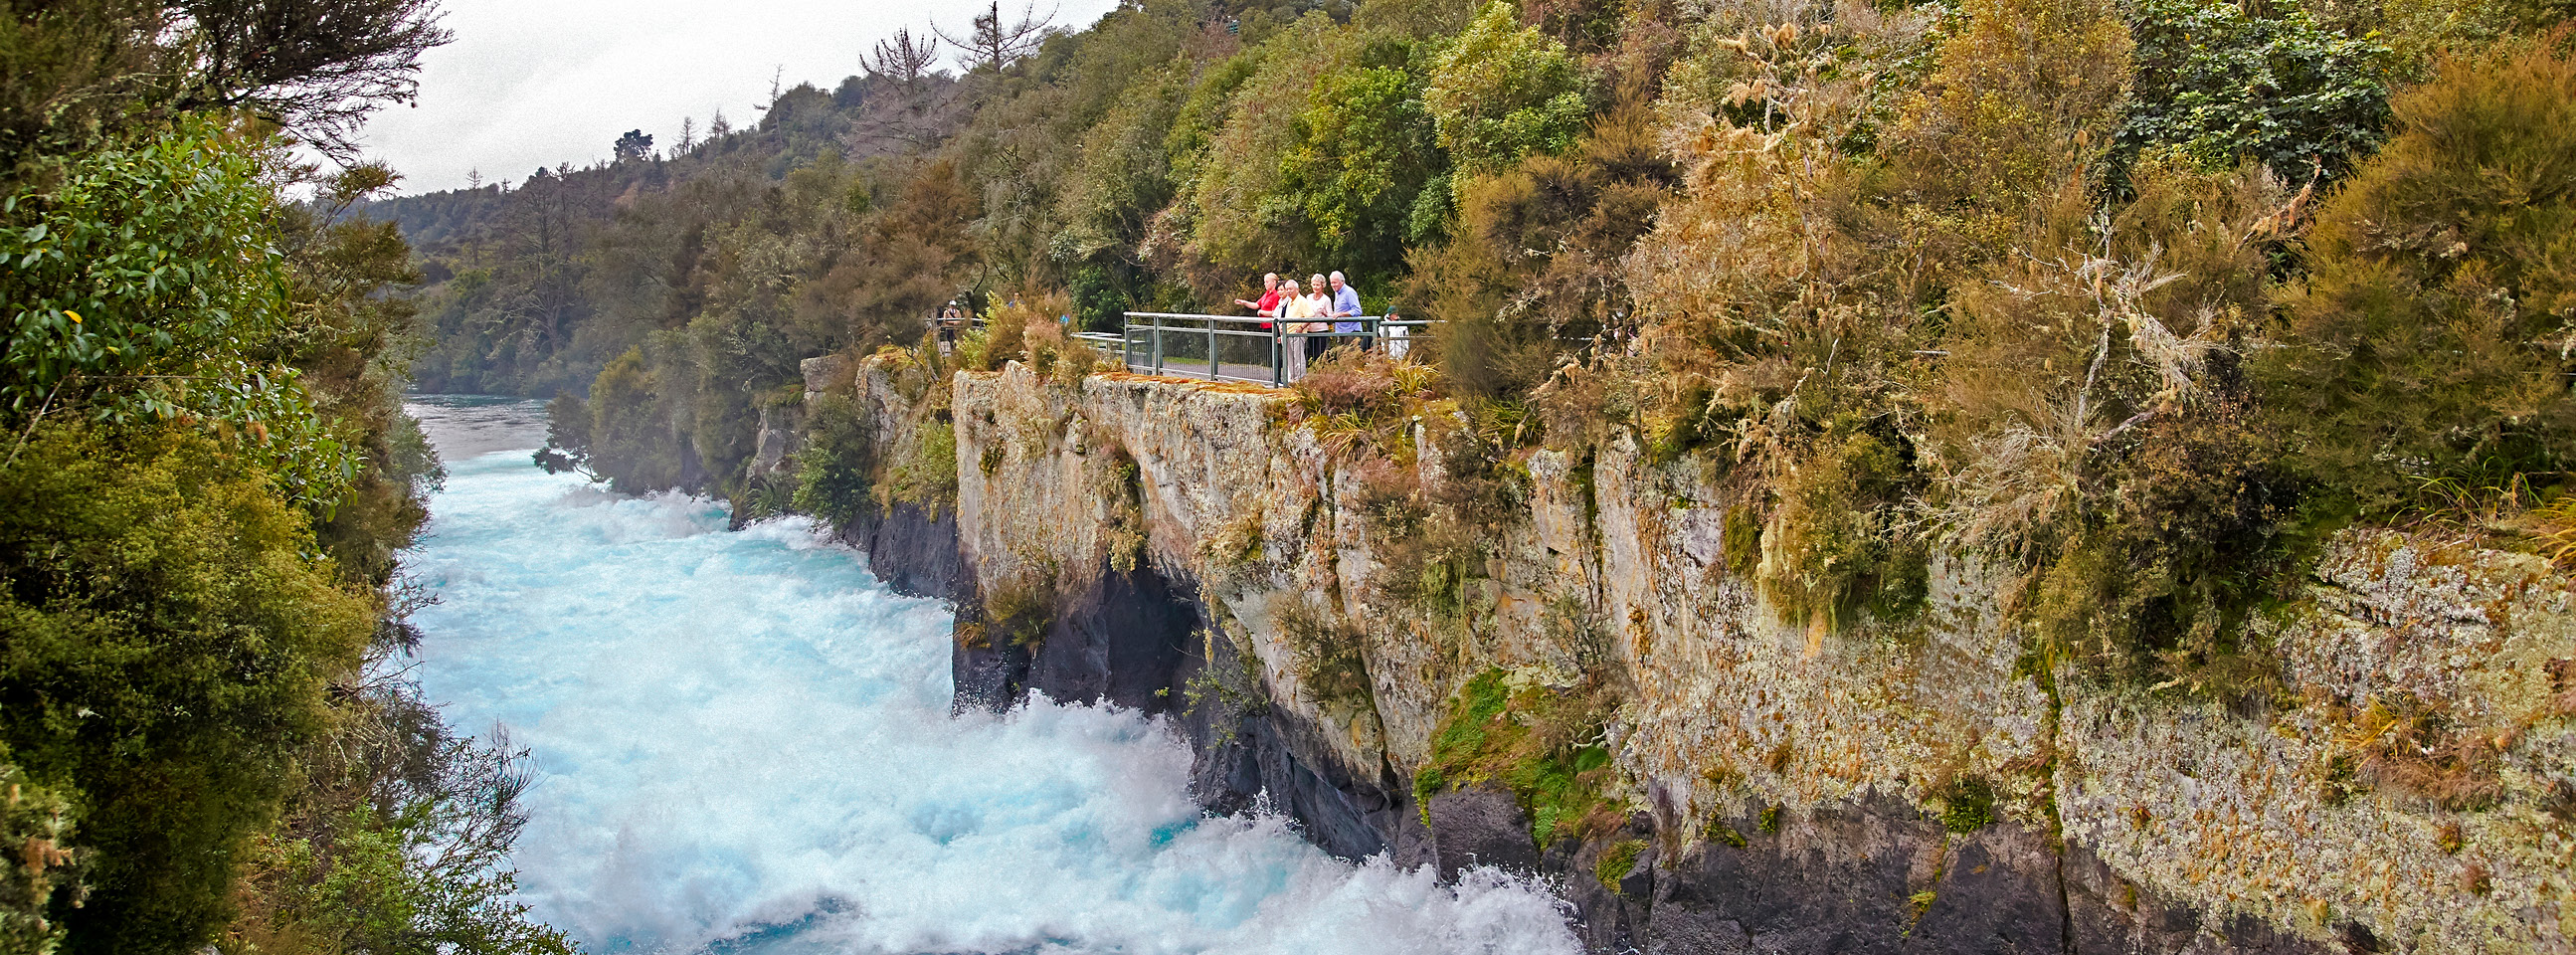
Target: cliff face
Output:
[{"x": 1938, "y": 783}]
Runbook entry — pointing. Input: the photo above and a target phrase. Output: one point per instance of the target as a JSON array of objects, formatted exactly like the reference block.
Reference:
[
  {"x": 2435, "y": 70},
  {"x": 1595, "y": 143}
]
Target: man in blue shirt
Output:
[{"x": 1346, "y": 304}]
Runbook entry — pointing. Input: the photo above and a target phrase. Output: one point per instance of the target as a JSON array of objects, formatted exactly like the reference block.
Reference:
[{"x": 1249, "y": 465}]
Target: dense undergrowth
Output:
[{"x": 206, "y": 477}]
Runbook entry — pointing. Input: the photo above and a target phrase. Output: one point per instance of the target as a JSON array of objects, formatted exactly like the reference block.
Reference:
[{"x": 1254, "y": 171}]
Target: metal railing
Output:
[{"x": 1241, "y": 348}]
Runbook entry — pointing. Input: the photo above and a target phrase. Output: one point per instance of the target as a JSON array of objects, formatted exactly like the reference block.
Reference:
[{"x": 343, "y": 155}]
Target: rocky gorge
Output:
[{"x": 1741, "y": 778}]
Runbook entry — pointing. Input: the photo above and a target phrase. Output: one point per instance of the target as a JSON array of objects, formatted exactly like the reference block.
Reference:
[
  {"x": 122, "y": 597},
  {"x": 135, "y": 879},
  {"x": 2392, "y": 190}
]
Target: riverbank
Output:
[{"x": 1924, "y": 782}]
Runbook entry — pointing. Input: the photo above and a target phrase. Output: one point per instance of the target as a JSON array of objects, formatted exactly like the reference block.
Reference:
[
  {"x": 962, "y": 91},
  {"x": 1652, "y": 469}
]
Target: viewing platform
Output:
[{"x": 1240, "y": 348}]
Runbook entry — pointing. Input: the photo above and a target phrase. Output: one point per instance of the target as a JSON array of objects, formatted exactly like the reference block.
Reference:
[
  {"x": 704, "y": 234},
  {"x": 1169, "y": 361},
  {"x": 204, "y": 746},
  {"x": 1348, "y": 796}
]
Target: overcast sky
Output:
[{"x": 532, "y": 83}]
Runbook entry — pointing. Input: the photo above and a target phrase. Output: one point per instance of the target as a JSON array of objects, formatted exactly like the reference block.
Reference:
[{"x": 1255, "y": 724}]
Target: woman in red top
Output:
[{"x": 1268, "y": 306}]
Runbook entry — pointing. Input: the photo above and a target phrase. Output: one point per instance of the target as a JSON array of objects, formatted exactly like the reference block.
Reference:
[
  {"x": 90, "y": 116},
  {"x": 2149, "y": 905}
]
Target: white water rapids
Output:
[{"x": 741, "y": 743}]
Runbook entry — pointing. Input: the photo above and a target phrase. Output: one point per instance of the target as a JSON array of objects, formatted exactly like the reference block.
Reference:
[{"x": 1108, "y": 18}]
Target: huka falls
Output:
[
  {"x": 1330, "y": 477},
  {"x": 742, "y": 742}
]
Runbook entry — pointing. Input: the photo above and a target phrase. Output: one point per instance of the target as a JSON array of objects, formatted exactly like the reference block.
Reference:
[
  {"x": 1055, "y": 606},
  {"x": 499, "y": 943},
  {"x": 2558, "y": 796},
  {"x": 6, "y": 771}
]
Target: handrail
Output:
[{"x": 1143, "y": 340}]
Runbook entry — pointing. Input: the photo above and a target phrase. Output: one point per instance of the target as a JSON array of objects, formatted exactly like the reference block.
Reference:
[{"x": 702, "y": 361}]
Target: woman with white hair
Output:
[
  {"x": 1320, "y": 298},
  {"x": 1297, "y": 314}
]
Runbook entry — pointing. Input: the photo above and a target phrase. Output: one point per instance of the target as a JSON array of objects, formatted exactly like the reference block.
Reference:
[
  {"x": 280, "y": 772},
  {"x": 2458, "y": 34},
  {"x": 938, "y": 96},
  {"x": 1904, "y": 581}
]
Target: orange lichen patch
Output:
[{"x": 1198, "y": 384}]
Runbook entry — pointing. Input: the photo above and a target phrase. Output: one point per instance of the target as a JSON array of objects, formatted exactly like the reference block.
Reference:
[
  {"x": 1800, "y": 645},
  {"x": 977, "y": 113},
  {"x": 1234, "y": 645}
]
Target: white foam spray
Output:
[{"x": 742, "y": 744}]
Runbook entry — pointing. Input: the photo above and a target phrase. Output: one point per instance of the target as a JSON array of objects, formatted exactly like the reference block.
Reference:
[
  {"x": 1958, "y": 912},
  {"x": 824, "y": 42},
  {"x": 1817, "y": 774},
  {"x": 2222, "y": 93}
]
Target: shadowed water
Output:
[{"x": 742, "y": 743}]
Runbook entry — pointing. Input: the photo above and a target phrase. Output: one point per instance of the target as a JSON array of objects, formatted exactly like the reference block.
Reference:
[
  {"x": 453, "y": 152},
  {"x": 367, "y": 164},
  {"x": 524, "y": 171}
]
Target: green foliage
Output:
[
  {"x": 2108, "y": 441},
  {"x": 87, "y": 71},
  {"x": 1536, "y": 257},
  {"x": 632, "y": 442},
  {"x": 2224, "y": 85},
  {"x": 2023, "y": 94},
  {"x": 168, "y": 643},
  {"x": 38, "y": 821},
  {"x": 351, "y": 342},
  {"x": 397, "y": 842},
  {"x": 209, "y": 476},
  {"x": 567, "y": 435},
  {"x": 2420, "y": 33},
  {"x": 834, "y": 471},
  {"x": 1244, "y": 214},
  {"x": 144, "y": 282},
  {"x": 1741, "y": 535},
  {"x": 1366, "y": 156},
  {"x": 1543, "y": 745},
  {"x": 1967, "y": 805},
  {"x": 1020, "y": 612},
  {"x": 1831, "y": 546},
  {"x": 2161, "y": 584},
  {"x": 2429, "y": 339},
  {"x": 1124, "y": 173},
  {"x": 924, "y": 474},
  {"x": 1616, "y": 861},
  {"x": 1501, "y": 91},
  {"x": 1720, "y": 832}
]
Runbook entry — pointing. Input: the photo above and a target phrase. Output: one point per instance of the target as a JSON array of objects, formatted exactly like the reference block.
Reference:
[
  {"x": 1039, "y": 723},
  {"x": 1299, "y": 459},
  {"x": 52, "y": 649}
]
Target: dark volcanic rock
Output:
[
  {"x": 1120, "y": 640},
  {"x": 1245, "y": 755},
  {"x": 1345, "y": 816},
  {"x": 914, "y": 550},
  {"x": 1479, "y": 826},
  {"x": 1879, "y": 876}
]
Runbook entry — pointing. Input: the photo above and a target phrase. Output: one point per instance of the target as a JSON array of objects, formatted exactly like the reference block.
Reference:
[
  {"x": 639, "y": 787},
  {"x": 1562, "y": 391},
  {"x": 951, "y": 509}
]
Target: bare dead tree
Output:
[
  {"x": 994, "y": 44},
  {"x": 903, "y": 59}
]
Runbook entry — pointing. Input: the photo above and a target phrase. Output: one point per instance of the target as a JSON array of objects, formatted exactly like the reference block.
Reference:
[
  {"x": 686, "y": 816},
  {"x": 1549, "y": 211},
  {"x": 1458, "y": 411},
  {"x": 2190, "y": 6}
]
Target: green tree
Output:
[
  {"x": 145, "y": 284},
  {"x": 1367, "y": 154},
  {"x": 1537, "y": 259},
  {"x": 1502, "y": 91},
  {"x": 2430, "y": 339},
  {"x": 633, "y": 146},
  {"x": 90, "y": 71},
  {"x": 168, "y": 642},
  {"x": 1241, "y": 216},
  {"x": 2023, "y": 97},
  {"x": 397, "y": 841},
  {"x": 2224, "y": 85}
]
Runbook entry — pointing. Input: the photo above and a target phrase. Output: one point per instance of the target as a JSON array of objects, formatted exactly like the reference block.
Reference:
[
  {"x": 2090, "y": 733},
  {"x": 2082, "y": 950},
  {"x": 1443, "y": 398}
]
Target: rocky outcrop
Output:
[
  {"x": 914, "y": 550},
  {"x": 1928, "y": 784}
]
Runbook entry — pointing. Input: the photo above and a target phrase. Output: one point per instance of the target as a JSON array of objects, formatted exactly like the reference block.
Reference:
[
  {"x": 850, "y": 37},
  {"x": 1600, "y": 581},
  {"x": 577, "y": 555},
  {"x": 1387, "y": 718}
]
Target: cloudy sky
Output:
[{"x": 532, "y": 83}]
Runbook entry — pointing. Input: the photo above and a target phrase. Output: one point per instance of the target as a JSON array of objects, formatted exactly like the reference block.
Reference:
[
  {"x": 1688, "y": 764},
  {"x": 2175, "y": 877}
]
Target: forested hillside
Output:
[
  {"x": 205, "y": 736},
  {"x": 2139, "y": 291}
]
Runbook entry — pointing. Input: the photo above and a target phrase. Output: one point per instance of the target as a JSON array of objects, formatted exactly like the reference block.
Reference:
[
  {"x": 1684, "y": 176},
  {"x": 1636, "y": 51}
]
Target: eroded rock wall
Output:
[{"x": 1795, "y": 784}]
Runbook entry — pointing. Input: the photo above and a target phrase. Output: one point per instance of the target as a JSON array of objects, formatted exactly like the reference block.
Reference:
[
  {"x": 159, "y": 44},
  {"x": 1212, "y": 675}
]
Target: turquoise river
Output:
[{"x": 741, "y": 742}]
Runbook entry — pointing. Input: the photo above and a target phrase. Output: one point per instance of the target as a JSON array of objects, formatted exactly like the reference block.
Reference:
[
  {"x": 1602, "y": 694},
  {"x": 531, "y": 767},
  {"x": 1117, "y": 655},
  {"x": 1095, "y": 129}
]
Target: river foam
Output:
[{"x": 742, "y": 743}]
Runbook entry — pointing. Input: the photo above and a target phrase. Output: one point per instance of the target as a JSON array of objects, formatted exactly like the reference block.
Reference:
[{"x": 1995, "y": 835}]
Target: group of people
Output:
[{"x": 1321, "y": 304}]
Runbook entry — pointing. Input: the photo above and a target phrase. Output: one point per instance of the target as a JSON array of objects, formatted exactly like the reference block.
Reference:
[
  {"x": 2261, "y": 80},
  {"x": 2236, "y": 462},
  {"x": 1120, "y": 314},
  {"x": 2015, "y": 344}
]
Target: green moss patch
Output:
[
  {"x": 1616, "y": 861},
  {"x": 1719, "y": 832},
  {"x": 1967, "y": 805},
  {"x": 1542, "y": 744}
]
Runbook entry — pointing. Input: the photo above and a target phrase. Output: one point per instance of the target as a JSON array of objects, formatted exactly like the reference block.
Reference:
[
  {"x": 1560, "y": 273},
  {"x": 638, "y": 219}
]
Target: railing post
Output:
[
  {"x": 1278, "y": 354},
  {"x": 1211, "y": 325},
  {"x": 1158, "y": 345}
]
